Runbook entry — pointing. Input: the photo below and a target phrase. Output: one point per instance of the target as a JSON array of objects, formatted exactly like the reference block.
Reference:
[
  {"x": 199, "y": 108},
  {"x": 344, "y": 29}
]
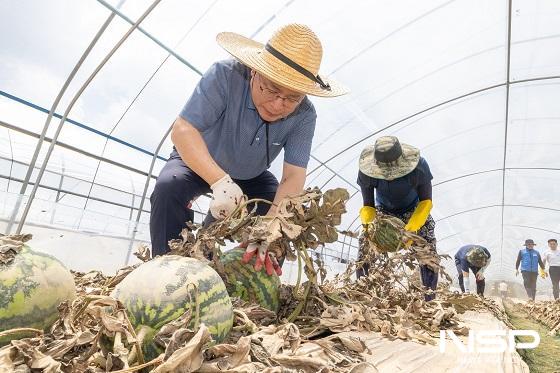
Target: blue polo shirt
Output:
[
  {"x": 461, "y": 257},
  {"x": 401, "y": 194},
  {"x": 222, "y": 109}
]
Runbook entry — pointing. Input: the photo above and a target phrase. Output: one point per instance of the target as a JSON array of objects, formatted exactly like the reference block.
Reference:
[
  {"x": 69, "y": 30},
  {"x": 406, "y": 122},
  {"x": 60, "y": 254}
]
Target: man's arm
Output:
[
  {"x": 193, "y": 151},
  {"x": 422, "y": 210},
  {"x": 518, "y": 260},
  {"x": 480, "y": 273},
  {"x": 540, "y": 261},
  {"x": 293, "y": 180}
]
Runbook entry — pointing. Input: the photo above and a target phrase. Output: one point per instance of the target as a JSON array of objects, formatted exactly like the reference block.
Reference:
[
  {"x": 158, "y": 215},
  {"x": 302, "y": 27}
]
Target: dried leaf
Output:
[
  {"x": 7, "y": 356},
  {"x": 166, "y": 337},
  {"x": 228, "y": 356},
  {"x": 304, "y": 363},
  {"x": 364, "y": 368},
  {"x": 353, "y": 343},
  {"x": 46, "y": 363},
  {"x": 188, "y": 358},
  {"x": 143, "y": 253}
]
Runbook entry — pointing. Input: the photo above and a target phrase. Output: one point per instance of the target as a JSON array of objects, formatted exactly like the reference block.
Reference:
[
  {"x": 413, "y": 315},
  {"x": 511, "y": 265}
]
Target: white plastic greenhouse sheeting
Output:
[
  {"x": 399, "y": 355},
  {"x": 474, "y": 84}
]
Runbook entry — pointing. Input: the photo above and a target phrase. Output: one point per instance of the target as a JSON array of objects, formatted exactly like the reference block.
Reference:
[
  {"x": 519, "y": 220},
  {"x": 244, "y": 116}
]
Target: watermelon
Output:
[
  {"x": 157, "y": 292},
  {"x": 31, "y": 288},
  {"x": 243, "y": 281},
  {"x": 387, "y": 234}
]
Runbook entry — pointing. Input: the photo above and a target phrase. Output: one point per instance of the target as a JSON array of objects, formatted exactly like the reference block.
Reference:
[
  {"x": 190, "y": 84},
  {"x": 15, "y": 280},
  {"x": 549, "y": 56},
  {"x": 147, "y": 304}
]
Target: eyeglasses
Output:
[{"x": 271, "y": 95}]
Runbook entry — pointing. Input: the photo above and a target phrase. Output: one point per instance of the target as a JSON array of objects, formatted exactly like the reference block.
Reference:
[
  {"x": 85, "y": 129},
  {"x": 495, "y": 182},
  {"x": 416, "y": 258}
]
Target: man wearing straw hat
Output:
[
  {"x": 242, "y": 113},
  {"x": 396, "y": 180}
]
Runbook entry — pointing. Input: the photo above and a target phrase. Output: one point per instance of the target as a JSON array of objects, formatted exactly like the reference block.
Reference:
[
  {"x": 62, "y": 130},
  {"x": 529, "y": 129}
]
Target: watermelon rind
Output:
[
  {"x": 161, "y": 290},
  {"x": 243, "y": 281},
  {"x": 32, "y": 287}
]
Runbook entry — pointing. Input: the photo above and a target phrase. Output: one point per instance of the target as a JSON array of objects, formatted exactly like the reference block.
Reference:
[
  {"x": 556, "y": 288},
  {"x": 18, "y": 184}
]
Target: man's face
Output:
[
  {"x": 553, "y": 245},
  {"x": 530, "y": 246},
  {"x": 272, "y": 101}
]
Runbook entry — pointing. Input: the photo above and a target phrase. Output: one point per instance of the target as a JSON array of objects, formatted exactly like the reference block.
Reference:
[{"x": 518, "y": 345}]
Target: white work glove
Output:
[
  {"x": 226, "y": 196},
  {"x": 480, "y": 276},
  {"x": 467, "y": 285}
]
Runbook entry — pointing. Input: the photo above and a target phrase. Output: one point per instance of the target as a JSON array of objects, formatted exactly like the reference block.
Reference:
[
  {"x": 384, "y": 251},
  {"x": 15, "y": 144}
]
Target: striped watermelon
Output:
[
  {"x": 244, "y": 282},
  {"x": 157, "y": 292},
  {"x": 387, "y": 235},
  {"x": 31, "y": 288}
]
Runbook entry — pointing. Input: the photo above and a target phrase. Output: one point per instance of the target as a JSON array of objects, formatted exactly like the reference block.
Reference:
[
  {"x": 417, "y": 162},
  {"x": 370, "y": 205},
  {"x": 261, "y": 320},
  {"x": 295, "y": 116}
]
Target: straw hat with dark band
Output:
[
  {"x": 291, "y": 58},
  {"x": 388, "y": 159}
]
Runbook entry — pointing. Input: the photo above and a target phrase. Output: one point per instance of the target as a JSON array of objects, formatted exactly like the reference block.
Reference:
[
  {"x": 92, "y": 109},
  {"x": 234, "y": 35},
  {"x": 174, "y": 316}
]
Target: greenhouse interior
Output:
[{"x": 100, "y": 99}]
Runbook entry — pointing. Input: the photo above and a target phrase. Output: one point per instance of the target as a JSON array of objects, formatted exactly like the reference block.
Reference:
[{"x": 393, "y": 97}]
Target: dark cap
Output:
[{"x": 529, "y": 242}]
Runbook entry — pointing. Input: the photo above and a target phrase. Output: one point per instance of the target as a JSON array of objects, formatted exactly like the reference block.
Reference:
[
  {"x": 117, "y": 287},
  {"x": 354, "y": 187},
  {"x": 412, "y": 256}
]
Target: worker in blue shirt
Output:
[
  {"x": 396, "y": 180},
  {"x": 477, "y": 259},
  {"x": 531, "y": 264},
  {"x": 239, "y": 118}
]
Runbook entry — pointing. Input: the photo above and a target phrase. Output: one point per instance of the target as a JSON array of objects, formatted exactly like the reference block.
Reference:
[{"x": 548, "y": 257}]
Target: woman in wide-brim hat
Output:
[
  {"x": 396, "y": 180},
  {"x": 388, "y": 159},
  {"x": 241, "y": 115}
]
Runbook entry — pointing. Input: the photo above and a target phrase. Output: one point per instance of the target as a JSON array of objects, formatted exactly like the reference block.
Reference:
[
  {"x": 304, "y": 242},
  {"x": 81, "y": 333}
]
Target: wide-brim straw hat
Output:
[
  {"x": 291, "y": 58},
  {"x": 388, "y": 159}
]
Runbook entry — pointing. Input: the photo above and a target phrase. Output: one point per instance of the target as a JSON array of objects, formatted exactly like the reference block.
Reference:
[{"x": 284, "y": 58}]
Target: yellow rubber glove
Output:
[
  {"x": 419, "y": 216},
  {"x": 367, "y": 214},
  {"x": 543, "y": 273}
]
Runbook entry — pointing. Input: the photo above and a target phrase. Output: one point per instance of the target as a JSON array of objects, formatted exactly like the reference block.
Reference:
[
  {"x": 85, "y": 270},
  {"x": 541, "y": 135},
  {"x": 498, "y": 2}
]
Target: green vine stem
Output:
[
  {"x": 298, "y": 283},
  {"x": 295, "y": 313},
  {"x": 311, "y": 280}
]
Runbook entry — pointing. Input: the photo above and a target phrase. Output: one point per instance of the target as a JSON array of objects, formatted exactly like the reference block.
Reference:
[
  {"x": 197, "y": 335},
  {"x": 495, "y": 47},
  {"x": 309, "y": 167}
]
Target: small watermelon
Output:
[
  {"x": 31, "y": 288},
  {"x": 243, "y": 281},
  {"x": 158, "y": 292},
  {"x": 387, "y": 234}
]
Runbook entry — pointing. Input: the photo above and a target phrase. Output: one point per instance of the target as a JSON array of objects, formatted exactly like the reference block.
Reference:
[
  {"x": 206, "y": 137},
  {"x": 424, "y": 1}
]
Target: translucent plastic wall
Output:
[{"x": 475, "y": 84}]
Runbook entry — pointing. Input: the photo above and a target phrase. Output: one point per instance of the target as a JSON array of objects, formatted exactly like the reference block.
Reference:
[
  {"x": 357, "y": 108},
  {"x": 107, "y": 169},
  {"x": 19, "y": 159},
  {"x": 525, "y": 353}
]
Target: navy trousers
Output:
[
  {"x": 177, "y": 185},
  {"x": 530, "y": 283},
  {"x": 480, "y": 284},
  {"x": 429, "y": 280}
]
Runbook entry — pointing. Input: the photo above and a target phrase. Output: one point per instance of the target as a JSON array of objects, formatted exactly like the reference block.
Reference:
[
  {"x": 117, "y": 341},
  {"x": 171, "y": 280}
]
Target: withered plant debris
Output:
[
  {"x": 94, "y": 334},
  {"x": 10, "y": 246},
  {"x": 545, "y": 312}
]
